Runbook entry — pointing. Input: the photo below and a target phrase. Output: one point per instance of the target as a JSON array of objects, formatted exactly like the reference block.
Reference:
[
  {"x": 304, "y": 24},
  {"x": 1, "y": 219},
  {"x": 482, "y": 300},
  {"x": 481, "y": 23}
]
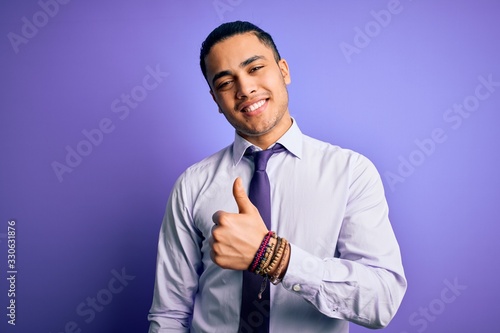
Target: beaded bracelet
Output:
[
  {"x": 272, "y": 256},
  {"x": 260, "y": 252},
  {"x": 275, "y": 279},
  {"x": 276, "y": 259},
  {"x": 278, "y": 244},
  {"x": 266, "y": 259}
]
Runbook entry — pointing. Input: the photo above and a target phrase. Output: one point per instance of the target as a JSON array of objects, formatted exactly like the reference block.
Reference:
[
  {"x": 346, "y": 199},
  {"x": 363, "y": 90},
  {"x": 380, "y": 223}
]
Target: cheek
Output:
[
  {"x": 225, "y": 101},
  {"x": 222, "y": 98},
  {"x": 278, "y": 86},
  {"x": 275, "y": 82}
]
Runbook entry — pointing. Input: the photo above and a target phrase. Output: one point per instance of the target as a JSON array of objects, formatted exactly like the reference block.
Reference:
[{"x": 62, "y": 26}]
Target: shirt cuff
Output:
[{"x": 304, "y": 274}]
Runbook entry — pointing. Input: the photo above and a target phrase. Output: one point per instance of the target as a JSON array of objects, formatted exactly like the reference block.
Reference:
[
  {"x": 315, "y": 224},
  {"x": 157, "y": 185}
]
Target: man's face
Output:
[{"x": 249, "y": 88}]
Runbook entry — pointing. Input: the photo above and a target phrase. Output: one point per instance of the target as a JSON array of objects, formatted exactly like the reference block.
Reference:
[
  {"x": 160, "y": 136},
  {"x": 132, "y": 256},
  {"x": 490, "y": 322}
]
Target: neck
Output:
[{"x": 265, "y": 140}]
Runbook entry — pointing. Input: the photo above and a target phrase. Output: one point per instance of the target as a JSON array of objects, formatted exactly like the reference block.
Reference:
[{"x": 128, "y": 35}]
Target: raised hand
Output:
[{"x": 237, "y": 236}]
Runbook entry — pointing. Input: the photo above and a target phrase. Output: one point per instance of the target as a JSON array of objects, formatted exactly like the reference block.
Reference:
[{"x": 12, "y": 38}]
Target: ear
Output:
[{"x": 285, "y": 71}]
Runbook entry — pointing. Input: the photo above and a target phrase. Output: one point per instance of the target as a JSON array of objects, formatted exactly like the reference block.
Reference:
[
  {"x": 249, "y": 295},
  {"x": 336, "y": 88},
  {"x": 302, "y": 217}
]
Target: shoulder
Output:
[
  {"x": 327, "y": 150},
  {"x": 201, "y": 172},
  {"x": 202, "y": 182},
  {"x": 328, "y": 156},
  {"x": 211, "y": 162}
]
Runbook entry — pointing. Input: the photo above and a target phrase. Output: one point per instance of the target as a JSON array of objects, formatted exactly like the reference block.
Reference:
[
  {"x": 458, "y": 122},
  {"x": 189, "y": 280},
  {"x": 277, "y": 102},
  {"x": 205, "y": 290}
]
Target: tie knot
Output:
[{"x": 260, "y": 157}]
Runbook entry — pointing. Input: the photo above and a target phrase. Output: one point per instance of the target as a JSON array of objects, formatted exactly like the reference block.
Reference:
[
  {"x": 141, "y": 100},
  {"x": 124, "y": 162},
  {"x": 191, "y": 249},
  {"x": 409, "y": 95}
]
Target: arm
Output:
[
  {"x": 364, "y": 283},
  {"x": 178, "y": 267}
]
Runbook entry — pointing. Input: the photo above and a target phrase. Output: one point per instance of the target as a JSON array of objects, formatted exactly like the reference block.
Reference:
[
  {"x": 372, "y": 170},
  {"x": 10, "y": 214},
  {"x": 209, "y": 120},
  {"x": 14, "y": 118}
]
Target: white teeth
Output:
[{"x": 254, "y": 106}]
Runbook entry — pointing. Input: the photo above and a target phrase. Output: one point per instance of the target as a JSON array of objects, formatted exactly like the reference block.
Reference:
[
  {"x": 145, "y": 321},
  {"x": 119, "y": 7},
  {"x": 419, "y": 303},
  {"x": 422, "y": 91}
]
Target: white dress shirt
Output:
[{"x": 328, "y": 202}]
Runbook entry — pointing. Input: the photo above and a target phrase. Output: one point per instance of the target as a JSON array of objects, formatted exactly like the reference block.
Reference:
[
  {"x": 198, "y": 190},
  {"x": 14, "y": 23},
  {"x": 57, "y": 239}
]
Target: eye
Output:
[
  {"x": 256, "y": 68},
  {"x": 224, "y": 85}
]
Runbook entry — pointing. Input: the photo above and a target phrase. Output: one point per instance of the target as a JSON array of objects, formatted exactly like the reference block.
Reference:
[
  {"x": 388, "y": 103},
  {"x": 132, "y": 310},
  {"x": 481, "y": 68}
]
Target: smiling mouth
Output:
[{"x": 254, "y": 106}]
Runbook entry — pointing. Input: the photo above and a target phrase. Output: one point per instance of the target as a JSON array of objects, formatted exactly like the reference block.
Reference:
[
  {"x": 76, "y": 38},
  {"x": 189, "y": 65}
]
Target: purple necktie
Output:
[{"x": 254, "y": 316}]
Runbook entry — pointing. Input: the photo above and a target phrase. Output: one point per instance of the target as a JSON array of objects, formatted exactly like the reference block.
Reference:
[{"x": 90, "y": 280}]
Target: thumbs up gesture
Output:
[{"x": 236, "y": 237}]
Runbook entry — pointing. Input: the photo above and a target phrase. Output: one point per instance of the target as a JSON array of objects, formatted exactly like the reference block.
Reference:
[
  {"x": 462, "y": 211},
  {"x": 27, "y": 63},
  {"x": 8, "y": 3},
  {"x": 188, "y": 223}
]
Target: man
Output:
[{"x": 340, "y": 262}]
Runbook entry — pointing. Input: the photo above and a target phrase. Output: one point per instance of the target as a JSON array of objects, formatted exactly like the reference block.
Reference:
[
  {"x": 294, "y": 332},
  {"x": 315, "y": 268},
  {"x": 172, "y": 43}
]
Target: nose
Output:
[{"x": 246, "y": 86}]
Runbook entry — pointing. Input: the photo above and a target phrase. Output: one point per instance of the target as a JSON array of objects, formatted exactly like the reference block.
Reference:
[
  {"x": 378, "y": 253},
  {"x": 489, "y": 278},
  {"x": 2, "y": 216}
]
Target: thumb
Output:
[{"x": 241, "y": 198}]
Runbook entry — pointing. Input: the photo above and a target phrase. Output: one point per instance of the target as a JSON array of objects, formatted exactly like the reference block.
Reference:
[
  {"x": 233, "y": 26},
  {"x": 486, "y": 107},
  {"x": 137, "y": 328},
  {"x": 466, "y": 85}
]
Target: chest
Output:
[{"x": 308, "y": 203}]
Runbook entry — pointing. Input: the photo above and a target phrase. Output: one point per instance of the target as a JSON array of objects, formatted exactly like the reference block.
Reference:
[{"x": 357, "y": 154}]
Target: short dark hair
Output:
[{"x": 229, "y": 29}]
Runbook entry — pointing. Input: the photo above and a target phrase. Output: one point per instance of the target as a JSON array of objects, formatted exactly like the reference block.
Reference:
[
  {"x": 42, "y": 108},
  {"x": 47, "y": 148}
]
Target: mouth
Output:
[{"x": 254, "y": 106}]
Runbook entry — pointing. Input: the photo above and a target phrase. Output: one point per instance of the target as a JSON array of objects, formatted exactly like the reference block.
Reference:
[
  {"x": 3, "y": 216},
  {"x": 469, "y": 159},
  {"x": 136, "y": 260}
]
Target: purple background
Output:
[{"x": 104, "y": 216}]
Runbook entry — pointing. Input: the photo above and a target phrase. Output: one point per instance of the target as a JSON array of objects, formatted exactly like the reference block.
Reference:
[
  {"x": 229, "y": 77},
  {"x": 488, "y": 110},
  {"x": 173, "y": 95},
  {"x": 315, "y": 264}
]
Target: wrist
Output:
[
  {"x": 262, "y": 254},
  {"x": 272, "y": 258}
]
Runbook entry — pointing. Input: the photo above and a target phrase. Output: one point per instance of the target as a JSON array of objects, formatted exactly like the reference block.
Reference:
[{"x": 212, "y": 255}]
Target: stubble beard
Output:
[{"x": 263, "y": 129}]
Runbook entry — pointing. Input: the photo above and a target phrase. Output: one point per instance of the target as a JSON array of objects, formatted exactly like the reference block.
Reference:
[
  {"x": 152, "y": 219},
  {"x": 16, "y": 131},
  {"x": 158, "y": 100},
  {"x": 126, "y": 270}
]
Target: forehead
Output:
[{"x": 230, "y": 53}]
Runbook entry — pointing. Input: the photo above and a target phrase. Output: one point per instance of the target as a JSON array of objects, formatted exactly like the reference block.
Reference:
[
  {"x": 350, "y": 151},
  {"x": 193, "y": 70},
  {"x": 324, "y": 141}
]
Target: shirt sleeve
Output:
[
  {"x": 364, "y": 282},
  {"x": 178, "y": 266}
]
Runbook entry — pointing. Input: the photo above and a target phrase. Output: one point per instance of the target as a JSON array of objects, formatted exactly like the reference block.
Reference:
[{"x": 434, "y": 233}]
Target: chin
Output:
[{"x": 255, "y": 132}]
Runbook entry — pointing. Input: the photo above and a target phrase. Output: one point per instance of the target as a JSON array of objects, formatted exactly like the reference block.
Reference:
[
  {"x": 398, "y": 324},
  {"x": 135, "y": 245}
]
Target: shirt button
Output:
[{"x": 296, "y": 287}]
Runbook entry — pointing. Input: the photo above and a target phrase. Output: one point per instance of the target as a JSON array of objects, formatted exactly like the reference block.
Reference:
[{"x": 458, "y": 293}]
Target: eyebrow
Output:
[{"x": 242, "y": 64}]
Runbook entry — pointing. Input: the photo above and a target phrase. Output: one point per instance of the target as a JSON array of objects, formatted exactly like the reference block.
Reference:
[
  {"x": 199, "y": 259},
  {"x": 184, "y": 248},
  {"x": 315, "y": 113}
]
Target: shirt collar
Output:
[{"x": 291, "y": 140}]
